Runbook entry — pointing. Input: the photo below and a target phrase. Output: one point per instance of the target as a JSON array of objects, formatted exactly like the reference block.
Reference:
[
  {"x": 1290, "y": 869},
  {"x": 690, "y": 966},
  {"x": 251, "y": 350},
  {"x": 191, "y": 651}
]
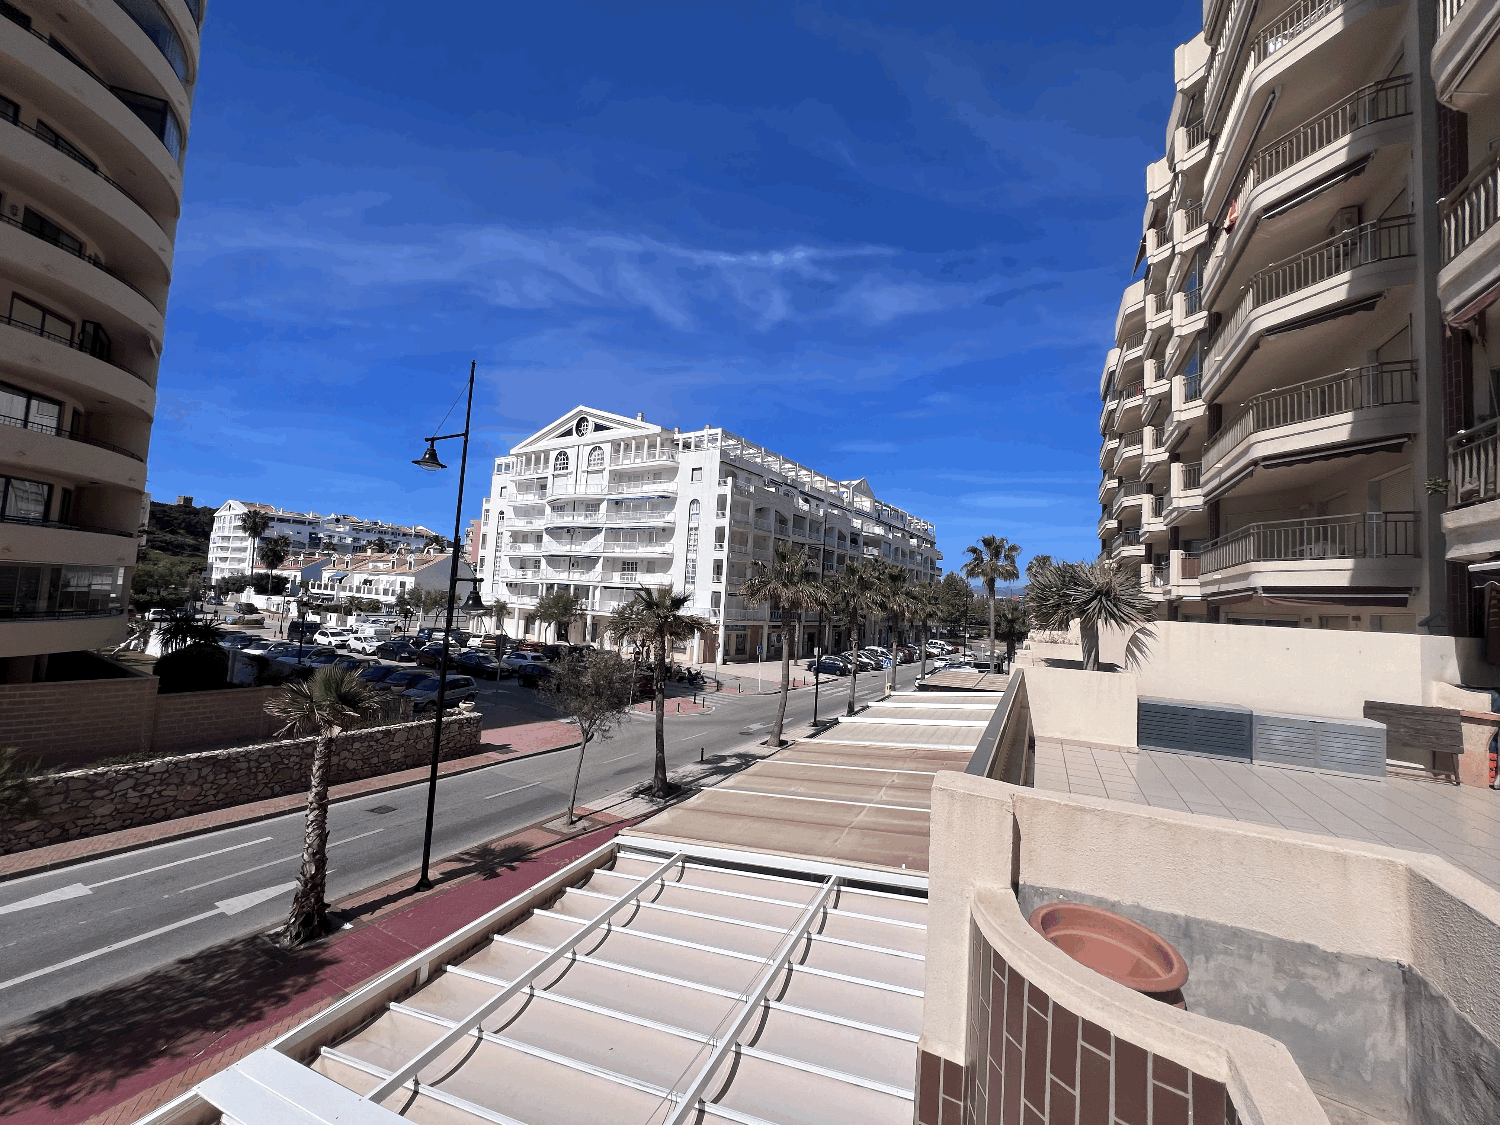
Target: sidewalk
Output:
[{"x": 507, "y": 744}]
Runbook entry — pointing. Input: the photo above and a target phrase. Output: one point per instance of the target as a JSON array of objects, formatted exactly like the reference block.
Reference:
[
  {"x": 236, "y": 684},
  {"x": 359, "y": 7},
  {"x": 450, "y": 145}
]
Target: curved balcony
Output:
[
  {"x": 1465, "y": 66},
  {"x": 65, "y": 363},
  {"x": 1184, "y": 491},
  {"x": 1361, "y": 403},
  {"x": 1364, "y": 549},
  {"x": 61, "y": 455},
  {"x": 1127, "y": 545},
  {"x": 1367, "y": 259},
  {"x": 1471, "y": 242},
  {"x": 1131, "y": 315},
  {"x": 22, "y": 538}
]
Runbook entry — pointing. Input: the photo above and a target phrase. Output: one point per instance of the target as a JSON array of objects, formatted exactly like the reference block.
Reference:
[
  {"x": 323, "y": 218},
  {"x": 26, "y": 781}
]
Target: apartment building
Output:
[
  {"x": 1276, "y": 404},
  {"x": 94, "y": 105},
  {"x": 383, "y": 576},
  {"x": 229, "y": 548},
  {"x": 1466, "y": 75},
  {"x": 601, "y": 505}
]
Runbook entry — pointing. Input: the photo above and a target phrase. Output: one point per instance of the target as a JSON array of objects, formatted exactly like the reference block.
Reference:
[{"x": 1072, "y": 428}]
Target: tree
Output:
[
  {"x": 326, "y": 704},
  {"x": 404, "y": 608},
  {"x": 380, "y": 546},
  {"x": 559, "y": 609},
  {"x": 435, "y": 541},
  {"x": 992, "y": 560},
  {"x": 954, "y": 599},
  {"x": 850, "y": 596},
  {"x": 179, "y": 632},
  {"x": 255, "y": 524},
  {"x": 274, "y": 552},
  {"x": 192, "y": 667},
  {"x": 1036, "y": 563},
  {"x": 896, "y": 600},
  {"x": 1011, "y": 627},
  {"x": 596, "y": 688},
  {"x": 926, "y": 605},
  {"x": 172, "y": 577},
  {"x": 500, "y": 610},
  {"x": 790, "y": 583},
  {"x": 654, "y": 618},
  {"x": 1093, "y": 594}
]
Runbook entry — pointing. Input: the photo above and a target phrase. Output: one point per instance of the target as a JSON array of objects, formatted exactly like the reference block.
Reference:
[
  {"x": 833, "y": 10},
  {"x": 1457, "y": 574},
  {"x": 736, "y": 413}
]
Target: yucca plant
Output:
[
  {"x": 1093, "y": 594},
  {"x": 326, "y": 704}
]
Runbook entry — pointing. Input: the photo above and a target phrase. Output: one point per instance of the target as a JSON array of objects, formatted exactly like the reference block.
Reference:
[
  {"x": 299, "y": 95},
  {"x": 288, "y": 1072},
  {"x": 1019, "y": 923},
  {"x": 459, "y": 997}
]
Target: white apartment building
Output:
[
  {"x": 94, "y": 104},
  {"x": 601, "y": 504},
  {"x": 384, "y": 576},
  {"x": 229, "y": 546},
  {"x": 1275, "y": 406}
]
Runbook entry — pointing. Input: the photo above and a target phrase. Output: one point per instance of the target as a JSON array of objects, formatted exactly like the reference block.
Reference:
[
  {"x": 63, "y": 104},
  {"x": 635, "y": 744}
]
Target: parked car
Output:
[
  {"x": 478, "y": 663},
  {"x": 828, "y": 666},
  {"x": 236, "y": 640},
  {"x": 518, "y": 656},
  {"x": 403, "y": 678},
  {"x": 332, "y": 635},
  {"x": 538, "y": 651},
  {"x": 301, "y": 630},
  {"x": 495, "y": 642},
  {"x": 532, "y": 673},
  {"x": 376, "y": 674},
  {"x": 158, "y": 614},
  {"x": 458, "y": 689},
  {"x": 398, "y": 649},
  {"x": 349, "y": 661},
  {"x": 431, "y": 655},
  {"x": 305, "y": 656}
]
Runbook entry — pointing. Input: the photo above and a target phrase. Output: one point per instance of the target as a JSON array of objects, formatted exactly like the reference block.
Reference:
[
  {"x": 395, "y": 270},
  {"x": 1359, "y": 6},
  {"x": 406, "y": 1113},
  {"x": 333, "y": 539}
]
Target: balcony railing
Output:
[
  {"x": 1471, "y": 208},
  {"x": 1447, "y": 12},
  {"x": 86, "y": 344},
  {"x": 1197, "y": 133},
  {"x": 1131, "y": 440},
  {"x": 1158, "y": 505},
  {"x": 1130, "y": 537},
  {"x": 29, "y": 522},
  {"x": 1473, "y": 459},
  {"x": 1135, "y": 390},
  {"x": 1192, "y": 217},
  {"x": 1192, "y": 301},
  {"x": 641, "y": 457},
  {"x": 67, "y": 246},
  {"x": 1371, "y": 242},
  {"x": 53, "y": 431},
  {"x": 1133, "y": 341},
  {"x": 1161, "y": 570},
  {"x": 1358, "y": 388},
  {"x": 1379, "y": 101},
  {"x": 1364, "y": 535},
  {"x": 1191, "y": 565},
  {"x": 1192, "y": 387},
  {"x": 1192, "y": 474},
  {"x": 51, "y": 138},
  {"x": 1288, "y": 26}
]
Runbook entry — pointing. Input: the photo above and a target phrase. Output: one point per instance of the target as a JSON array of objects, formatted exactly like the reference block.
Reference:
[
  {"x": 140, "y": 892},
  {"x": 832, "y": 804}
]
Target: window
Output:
[
  {"x": 693, "y": 510},
  {"x": 9, "y": 111},
  {"x": 59, "y": 142},
  {"x": 723, "y": 507},
  {"x": 158, "y": 28},
  {"x": 24, "y": 499},
  {"x": 629, "y": 566},
  {"x": 157, "y": 116},
  {"x": 560, "y": 461},
  {"x": 596, "y": 457},
  {"x": 35, "y": 223},
  {"x": 697, "y": 474},
  {"x": 28, "y": 411},
  {"x": 718, "y": 570}
]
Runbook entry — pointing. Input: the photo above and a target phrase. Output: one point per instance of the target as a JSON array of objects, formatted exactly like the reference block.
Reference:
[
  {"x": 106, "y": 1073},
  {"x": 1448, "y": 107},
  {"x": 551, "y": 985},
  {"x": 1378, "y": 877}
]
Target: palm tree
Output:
[
  {"x": 992, "y": 559},
  {"x": 179, "y": 632},
  {"x": 1092, "y": 593},
  {"x": 326, "y": 704},
  {"x": 896, "y": 599},
  {"x": 791, "y": 583},
  {"x": 1011, "y": 627},
  {"x": 926, "y": 608},
  {"x": 654, "y": 617},
  {"x": 255, "y": 524},
  {"x": 851, "y": 595}
]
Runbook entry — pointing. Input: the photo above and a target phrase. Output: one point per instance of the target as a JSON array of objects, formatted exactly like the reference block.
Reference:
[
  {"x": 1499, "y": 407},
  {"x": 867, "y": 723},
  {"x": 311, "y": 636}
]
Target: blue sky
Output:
[{"x": 885, "y": 239}]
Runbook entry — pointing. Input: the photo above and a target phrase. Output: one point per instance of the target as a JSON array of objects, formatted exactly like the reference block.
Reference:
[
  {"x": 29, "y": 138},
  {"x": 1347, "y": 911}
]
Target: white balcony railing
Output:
[
  {"x": 1472, "y": 207},
  {"x": 1473, "y": 460},
  {"x": 1362, "y": 535},
  {"x": 1447, "y": 12},
  {"x": 641, "y": 457}
]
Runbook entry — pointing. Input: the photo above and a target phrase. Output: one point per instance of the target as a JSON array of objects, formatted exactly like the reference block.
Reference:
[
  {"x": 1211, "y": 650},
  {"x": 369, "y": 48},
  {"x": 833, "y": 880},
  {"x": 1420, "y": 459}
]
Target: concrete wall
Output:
[
  {"x": 61, "y": 723},
  {"x": 89, "y": 802},
  {"x": 207, "y": 720},
  {"x": 1360, "y": 958},
  {"x": 1093, "y": 707}
]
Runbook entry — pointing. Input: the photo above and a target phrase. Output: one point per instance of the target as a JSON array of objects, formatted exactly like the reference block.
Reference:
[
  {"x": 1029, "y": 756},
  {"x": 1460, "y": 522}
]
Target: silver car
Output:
[{"x": 424, "y": 693}]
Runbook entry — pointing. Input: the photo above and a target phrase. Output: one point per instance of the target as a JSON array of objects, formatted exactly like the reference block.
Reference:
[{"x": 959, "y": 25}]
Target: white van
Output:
[{"x": 366, "y": 638}]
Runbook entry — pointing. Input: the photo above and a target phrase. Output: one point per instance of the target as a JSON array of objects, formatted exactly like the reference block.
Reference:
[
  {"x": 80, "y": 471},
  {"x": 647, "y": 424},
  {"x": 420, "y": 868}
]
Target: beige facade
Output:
[
  {"x": 1274, "y": 402},
  {"x": 94, "y": 105}
]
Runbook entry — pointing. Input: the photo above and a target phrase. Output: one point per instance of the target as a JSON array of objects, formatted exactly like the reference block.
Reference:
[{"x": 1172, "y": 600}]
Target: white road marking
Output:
[
  {"x": 59, "y": 895},
  {"x": 108, "y": 949},
  {"x": 254, "y": 898},
  {"x": 176, "y": 863},
  {"x": 272, "y": 863},
  {"x": 517, "y": 789},
  {"x": 608, "y": 760}
]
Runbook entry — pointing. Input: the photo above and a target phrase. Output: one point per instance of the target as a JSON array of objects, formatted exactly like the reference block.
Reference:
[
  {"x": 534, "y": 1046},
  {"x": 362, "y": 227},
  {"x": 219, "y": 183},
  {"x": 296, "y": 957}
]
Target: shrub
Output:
[{"x": 196, "y": 667}]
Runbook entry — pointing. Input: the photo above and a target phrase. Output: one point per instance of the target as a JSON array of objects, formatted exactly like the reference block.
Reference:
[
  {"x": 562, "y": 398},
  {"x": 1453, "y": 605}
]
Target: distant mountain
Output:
[{"x": 179, "y": 530}]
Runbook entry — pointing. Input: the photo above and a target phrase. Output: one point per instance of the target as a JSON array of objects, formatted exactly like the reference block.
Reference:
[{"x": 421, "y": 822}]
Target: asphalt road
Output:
[{"x": 74, "y": 931}]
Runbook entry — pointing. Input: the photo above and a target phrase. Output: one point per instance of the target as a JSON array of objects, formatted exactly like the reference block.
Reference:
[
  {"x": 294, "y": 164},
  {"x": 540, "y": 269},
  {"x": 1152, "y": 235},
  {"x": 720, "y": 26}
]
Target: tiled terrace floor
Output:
[{"x": 1460, "y": 823}]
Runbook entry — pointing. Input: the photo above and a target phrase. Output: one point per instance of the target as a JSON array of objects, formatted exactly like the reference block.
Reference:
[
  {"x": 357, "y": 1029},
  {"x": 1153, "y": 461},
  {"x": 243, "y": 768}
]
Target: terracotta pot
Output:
[{"x": 1124, "y": 951}]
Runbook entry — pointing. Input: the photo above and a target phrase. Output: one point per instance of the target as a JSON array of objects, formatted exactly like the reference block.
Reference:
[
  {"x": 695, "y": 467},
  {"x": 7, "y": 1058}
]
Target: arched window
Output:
[
  {"x": 560, "y": 461},
  {"x": 693, "y": 510},
  {"x": 596, "y": 457}
]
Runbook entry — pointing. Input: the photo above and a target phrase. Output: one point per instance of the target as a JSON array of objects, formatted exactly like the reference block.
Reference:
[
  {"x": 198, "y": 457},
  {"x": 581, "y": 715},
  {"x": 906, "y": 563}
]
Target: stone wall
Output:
[{"x": 89, "y": 802}]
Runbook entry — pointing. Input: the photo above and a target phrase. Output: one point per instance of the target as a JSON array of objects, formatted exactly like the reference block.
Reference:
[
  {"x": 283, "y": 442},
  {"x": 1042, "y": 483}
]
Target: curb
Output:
[{"x": 203, "y": 830}]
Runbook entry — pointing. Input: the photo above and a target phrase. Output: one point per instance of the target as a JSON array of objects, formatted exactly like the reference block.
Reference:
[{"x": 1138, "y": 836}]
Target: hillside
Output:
[{"x": 179, "y": 531}]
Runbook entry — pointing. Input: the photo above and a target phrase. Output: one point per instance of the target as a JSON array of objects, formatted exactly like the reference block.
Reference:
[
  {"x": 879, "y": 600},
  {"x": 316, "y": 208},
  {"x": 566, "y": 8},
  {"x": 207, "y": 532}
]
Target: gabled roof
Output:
[{"x": 609, "y": 426}]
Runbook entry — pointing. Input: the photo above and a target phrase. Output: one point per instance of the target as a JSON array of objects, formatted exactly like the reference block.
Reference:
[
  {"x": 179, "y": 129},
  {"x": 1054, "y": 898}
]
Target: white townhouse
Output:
[
  {"x": 383, "y": 577},
  {"x": 229, "y": 546},
  {"x": 601, "y": 504}
]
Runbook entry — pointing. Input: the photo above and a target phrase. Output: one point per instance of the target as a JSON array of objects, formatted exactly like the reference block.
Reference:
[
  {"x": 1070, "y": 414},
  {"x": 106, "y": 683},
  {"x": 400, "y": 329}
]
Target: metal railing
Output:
[
  {"x": 1131, "y": 440},
  {"x": 1288, "y": 26},
  {"x": 1379, "y": 101},
  {"x": 1130, "y": 537},
  {"x": 1471, "y": 208},
  {"x": 1473, "y": 461},
  {"x": 1192, "y": 387},
  {"x": 91, "y": 259},
  {"x": 1134, "y": 488},
  {"x": 73, "y": 154},
  {"x": 1192, "y": 301},
  {"x": 1357, "y": 388},
  {"x": 59, "y": 614},
  {"x": 1161, "y": 570},
  {"x": 1192, "y": 474},
  {"x": 1377, "y": 241},
  {"x": 642, "y": 457},
  {"x": 1158, "y": 505},
  {"x": 54, "y": 431},
  {"x": 1133, "y": 341},
  {"x": 1192, "y": 217},
  {"x": 29, "y": 522},
  {"x": 1135, "y": 390},
  {"x": 1157, "y": 237},
  {"x": 1197, "y": 133},
  {"x": 67, "y": 342},
  {"x": 1361, "y": 535},
  {"x": 1447, "y": 12}
]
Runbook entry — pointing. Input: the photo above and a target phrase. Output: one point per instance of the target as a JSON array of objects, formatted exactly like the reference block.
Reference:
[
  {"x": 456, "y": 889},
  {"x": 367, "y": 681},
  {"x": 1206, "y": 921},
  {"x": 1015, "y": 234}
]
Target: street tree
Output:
[
  {"x": 274, "y": 552},
  {"x": 992, "y": 560},
  {"x": 955, "y": 599},
  {"x": 898, "y": 604},
  {"x": 326, "y": 704},
  {"x": 179, "y": 632},
  {"x": 559, "y": 609},
  {"x": 790, "y": 584},
  {"x": 1011, "y": 627},
  {"x": 1098, "y": 593},
  {"x": 404, "y": 608},
  {"x": 596, "y": 689},
  {"x": 255, "y": 524},
  {"x": 850, "y": 596},
  {"x": 653, "y": 619}
]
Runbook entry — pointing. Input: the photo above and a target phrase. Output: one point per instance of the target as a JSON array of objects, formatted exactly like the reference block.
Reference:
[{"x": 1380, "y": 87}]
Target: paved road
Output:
[{"x": 71, "y": 932}]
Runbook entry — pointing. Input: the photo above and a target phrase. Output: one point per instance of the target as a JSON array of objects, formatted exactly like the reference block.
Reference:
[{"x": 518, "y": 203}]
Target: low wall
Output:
[
  {"x": 1372, "y": 967},
  {"x": 208, "y": 720},
  {"x": 76, "y": 721},
  {"x": 89, "y": 802},
  {"x": 1093, "y": 707}
]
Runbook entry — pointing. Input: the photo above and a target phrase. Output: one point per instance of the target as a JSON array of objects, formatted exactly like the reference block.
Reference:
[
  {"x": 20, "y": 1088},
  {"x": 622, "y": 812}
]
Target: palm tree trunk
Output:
[
  {"x": 659, "y": 777},
  {"x": 786, "y": 686},
  {"x": 577, "y": 773},
  {"x": 992, "y": 630},
  {"x": 853, "y": 670},
  {"x": 1089, "y": 636},
  {"x": 308, "y": 919}
]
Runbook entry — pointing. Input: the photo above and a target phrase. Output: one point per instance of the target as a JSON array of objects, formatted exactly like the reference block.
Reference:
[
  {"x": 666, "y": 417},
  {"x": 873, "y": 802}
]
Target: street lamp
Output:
[{"x": 429, "y": 461}]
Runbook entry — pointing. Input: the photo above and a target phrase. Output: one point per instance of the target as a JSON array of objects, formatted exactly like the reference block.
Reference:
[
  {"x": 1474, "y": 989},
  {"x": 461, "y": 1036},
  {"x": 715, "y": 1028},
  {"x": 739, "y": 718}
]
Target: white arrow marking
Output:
[
  {"x": 107, "y": 949},
  {"x": 254, "y": 898},
  {"x": 76, "y": 890}
]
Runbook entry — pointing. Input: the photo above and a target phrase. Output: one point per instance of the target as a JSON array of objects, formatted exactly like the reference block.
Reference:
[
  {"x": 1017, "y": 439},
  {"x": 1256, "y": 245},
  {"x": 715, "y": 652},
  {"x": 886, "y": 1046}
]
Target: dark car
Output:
[
  {"x": 531, "y": 675},
  {"x": 478, "y": 663},
  {"x": 320, "y": 656},
  {"x": 403, "y": 678},
  {"x": 828, "y": 666},
  {"x": 376, "y": 674},
  {"x": 301, "y": 630},
  {"x": 398, "y": 649},
  {"x": 430, "y": 655},
  {"x": 352, "y": 663},
  {"x": 236, "y": 640}
]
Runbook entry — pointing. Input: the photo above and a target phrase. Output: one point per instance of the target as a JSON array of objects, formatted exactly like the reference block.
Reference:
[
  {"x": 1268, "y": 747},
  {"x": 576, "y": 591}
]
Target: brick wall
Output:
[
  {"x": 64, "y": 723},
  {"x": 89, "y": 802},
  {"x": 208, "y": 720}
]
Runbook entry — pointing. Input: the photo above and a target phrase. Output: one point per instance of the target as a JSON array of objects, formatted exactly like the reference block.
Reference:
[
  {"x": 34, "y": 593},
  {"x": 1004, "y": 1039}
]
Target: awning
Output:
[
  {"x": 1318, "y": 187},
  {"x": 1363, "y": 304},
  {"x": 1393, "y": 444}
]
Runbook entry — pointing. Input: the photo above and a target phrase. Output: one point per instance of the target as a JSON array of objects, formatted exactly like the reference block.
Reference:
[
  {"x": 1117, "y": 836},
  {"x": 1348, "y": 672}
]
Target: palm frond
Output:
[{"x": 330, "y": 699}]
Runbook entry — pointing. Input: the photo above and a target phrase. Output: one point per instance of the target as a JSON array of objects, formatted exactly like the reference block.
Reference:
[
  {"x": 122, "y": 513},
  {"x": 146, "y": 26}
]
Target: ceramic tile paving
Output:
[{"x": 1462, "y": 824}]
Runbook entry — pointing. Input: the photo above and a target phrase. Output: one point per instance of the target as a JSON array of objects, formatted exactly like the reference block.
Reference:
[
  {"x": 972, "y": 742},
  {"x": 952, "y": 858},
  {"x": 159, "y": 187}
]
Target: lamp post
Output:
[{"x": 429, "y": 461}]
